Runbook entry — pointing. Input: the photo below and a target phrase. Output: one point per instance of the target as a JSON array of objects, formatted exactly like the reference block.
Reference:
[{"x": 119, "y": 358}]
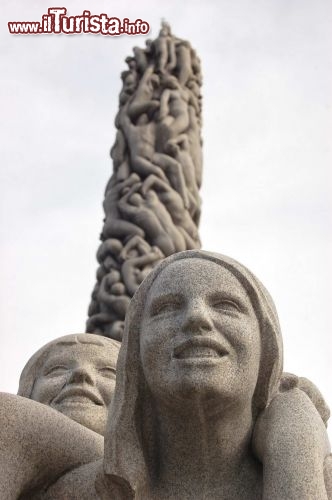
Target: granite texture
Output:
[
  {"x": 38, "y": 445},
  {"x": 75, "y": 375},
  {"x": 198, "y": 410},
  {"x": 201, "y": 409}
]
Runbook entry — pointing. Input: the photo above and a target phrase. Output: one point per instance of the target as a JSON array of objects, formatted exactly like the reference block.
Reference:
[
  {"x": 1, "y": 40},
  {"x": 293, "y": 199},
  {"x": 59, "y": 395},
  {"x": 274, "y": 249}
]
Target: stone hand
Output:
[
  {"x": 290, "y": 381},
  {"x": 291, "y": 441}
]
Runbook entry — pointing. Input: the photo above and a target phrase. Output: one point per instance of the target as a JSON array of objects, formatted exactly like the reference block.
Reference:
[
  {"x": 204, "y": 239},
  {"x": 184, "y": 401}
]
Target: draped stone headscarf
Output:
[{"x": 132, "y": 424}]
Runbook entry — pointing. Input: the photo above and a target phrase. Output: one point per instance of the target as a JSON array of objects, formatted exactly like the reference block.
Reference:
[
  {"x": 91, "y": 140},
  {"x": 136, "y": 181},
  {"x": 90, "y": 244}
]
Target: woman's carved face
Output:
[
  {"x": 79, "y": 380},
  {"x": 199, "y": 335}
]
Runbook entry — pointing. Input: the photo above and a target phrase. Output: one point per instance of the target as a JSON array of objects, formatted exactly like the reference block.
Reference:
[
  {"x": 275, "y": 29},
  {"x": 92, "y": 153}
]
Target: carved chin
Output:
[{"x": 89, "y": 415}]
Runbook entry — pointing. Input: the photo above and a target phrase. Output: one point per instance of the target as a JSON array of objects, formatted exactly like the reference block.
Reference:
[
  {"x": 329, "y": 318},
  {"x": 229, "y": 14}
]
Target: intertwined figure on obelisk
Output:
[{"x": 152, "y": 202}]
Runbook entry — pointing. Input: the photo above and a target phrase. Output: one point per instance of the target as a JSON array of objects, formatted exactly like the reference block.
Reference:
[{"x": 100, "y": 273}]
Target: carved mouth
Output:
[
  {"x": 78, "y": 396},
  {"x": 200, "y": 347}
]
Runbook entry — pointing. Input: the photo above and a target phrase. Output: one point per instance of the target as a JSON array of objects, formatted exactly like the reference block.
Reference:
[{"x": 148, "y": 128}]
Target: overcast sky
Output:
[{"x": 267, "y": 69}]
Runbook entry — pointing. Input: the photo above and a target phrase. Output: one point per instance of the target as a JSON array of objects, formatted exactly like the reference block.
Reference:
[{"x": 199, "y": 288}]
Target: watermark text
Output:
[{"x": 56, "y": 22}]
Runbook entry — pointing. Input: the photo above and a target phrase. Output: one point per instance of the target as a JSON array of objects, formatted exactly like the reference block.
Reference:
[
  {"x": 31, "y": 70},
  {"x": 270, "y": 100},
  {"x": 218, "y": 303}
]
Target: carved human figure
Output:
[
  {"x": 197, "y": 408},
  {"x": 150, "y": 214},
  {"x": 107, "y": 296},
  {"x": 183, "y": 62},
  {"x": 144, "y": 100},
  {"x": 179, "y": 148},
  {"x": 112, "y": 293},
  {"x": 74, "y": 375},
  {"x": 129, "y": 85},
  {"x": 141, "y": 59},
  {"x": 195, "y": 144},
  {"x": 173, "y": 113},
  {"x": 141, "y": 139},
  {"x": 118, "y": 150},
  {"x": 164, "y": 49},
  {"x": 137, "y": 259},
  {"x": 134, "y": 247},
  {"x": 175, "y": 206},
  {"x": 100, "y": 313},
  {"x": 135, "y": 269},
  {"x": 119, "y": 155},
  {"x": 160, "y": 103},
  {"x": 195, "y": 88},
  {"x": 110, "y": 248},
  {"x": 197, "y": 411},
  {"x": 114, "y": 226}
]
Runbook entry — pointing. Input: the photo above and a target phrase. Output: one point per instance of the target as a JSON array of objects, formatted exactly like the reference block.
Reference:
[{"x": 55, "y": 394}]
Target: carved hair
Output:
[
  {"x": 32, "y": 369},
  {"x": 131, "y": 419}
]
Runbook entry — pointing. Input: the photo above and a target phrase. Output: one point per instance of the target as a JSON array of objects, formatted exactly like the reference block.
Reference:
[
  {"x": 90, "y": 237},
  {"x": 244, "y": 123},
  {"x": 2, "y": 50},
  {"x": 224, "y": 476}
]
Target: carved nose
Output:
[
  {"x": 80, "y": 375},
  {"x": 197, "y": 320}
]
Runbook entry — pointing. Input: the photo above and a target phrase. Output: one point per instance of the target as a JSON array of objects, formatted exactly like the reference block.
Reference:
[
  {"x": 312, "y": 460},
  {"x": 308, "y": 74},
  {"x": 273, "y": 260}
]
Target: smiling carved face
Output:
[
  {"x": 78, "y": 380},
  {"x": 199, "y": 336}
]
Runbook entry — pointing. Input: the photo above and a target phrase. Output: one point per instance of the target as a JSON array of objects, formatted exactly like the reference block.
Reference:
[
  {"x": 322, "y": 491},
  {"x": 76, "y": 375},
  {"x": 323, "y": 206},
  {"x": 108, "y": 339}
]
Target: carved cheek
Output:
[
  {"x": 106, "y": 389},
  {"x": 241, "y": 332},
  {"x": 47, "y": 389}
]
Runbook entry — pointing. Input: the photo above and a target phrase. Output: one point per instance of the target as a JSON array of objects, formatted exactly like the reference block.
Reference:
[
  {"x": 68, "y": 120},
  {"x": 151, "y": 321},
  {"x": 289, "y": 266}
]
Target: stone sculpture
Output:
[
  {"x": 75, "y": 375},
  {"x": 152, "y": 202},
  {"x": 200, "y": 409},
  {"x": 38, "y": 445},
  {"x": 199, "y": 404}
]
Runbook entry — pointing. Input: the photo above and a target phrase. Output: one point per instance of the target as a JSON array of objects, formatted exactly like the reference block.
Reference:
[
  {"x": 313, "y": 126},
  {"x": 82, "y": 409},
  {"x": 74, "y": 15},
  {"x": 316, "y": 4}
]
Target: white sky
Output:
[{"x": 267, "y": 69}]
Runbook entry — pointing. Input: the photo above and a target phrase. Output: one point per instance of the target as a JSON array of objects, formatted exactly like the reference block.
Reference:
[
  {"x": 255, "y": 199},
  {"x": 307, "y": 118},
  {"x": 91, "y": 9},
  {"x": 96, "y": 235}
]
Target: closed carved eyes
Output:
[
  {"x": 56, "y": 370},
  {"x": 107, "y": 371},
  {"x": 226, "y": 305},
  {"x": 164, "y": 305}
]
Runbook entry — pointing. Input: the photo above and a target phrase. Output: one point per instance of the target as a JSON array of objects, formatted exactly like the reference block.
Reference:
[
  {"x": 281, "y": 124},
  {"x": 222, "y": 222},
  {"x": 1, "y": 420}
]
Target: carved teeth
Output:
[
  {"x": 198, "y": 352},
  {"x": 200, "y": 347}
]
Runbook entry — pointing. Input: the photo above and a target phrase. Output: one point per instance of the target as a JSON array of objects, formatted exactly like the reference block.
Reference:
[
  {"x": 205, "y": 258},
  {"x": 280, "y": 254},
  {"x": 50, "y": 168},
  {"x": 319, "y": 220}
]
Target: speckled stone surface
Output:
[
  {"x": 38, "y": 444},
  {"x": 75, "y": 375},
  {"x": 198, "y": 411},
  {"x": 201, "y": 409}
]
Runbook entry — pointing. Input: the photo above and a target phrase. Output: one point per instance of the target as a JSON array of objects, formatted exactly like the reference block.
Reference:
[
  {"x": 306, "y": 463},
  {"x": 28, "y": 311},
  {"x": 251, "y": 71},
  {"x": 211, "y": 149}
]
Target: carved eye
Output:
[
  {"x": 107, "y": 372},
  {"x": 56, "y": 371},
  {"x": 226, "y": 305},
  {"x": 165, "y": 306}
]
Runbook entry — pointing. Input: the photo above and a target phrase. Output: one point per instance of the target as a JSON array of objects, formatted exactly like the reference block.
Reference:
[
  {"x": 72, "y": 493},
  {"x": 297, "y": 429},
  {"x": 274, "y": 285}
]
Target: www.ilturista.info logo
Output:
[{"x": 56, "y": 21}]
